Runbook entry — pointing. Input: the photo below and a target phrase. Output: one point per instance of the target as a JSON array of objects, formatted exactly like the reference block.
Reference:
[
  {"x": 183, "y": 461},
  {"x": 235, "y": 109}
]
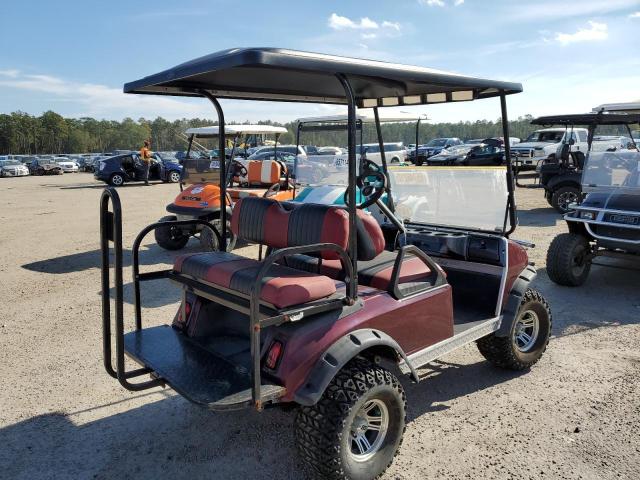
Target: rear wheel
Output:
[
  {"x": 170, "y": 238},
  {"x": 174, "y": 176},
  {"x": 356, "y": 428},
  {"x": 563, "y": 197},
  {"x": 116, "y": 180},
  {"x": 569, "y": 259},
  {"x": 527, "y": 339},
  {"x": 209, "y": 240}
]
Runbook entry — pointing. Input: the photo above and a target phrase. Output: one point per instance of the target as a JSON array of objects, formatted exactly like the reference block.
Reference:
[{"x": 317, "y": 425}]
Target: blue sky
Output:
[{"x": 73, "y": 57}]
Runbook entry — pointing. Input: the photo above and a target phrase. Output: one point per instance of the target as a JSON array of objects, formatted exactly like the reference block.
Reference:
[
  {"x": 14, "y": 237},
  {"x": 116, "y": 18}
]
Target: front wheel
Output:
[
  {"x": 527, "y": 339},
  {"x": 563, "y": 197},
  {"x": 356, "y": 428},
  {"x": 569, "y": 259},
  {"x": 170, "y": 238}
]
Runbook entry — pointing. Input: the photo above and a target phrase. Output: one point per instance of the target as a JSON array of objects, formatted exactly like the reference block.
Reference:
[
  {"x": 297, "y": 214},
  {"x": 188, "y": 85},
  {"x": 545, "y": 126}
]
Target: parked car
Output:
[
  {"x": 43, "y": 166},
  {"x": 488, "y": 153},
  {"x": 433, "y": 147},
  {"x": 544, "y": 142},
  {"x": 395, "y": 152},
  {"x": 118, "y": 169},
  {"x": 284, "y": 148},
  {"x": 13, "y": 168},
  {"x": 329, "y": 151},
  {"x": 67, "y": 165}
]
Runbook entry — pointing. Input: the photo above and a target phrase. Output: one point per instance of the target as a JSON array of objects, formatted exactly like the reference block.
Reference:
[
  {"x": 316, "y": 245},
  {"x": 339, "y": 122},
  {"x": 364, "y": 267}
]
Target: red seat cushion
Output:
[
  {"x": 282, "y": 286},
  {"x": 374, "y": 273}
]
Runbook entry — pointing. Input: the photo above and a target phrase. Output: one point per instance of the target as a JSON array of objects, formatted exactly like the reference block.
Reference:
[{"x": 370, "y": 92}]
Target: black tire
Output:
[
  {"x": 324, "y": 431},
  {"x": 509, "y": 352},
  {"x": 569, "y": 259},
  {"x": 561, "y": 197},
  {"x": 209, "y": 240},
  {"x": 116, "y": 180},
  {"x": 170, "y": 238},
  {"x": 547, "y": 196},
  {"x": 395, "y": 160}
]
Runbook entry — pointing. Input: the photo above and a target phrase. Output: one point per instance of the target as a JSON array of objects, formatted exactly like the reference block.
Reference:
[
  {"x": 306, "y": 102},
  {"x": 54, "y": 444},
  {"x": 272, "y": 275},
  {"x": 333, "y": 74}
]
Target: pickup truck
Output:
[{"x": 542, "y": 143}]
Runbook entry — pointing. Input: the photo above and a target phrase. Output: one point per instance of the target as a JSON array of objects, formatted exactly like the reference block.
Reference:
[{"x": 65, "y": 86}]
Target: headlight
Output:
[
  {"x": 588, "y": 215},
  {"x": 538, "y": 153}
]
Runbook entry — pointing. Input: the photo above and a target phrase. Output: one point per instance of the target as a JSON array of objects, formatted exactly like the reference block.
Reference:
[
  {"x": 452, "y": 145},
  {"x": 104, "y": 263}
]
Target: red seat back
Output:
[{"x": 281, "y": 225}]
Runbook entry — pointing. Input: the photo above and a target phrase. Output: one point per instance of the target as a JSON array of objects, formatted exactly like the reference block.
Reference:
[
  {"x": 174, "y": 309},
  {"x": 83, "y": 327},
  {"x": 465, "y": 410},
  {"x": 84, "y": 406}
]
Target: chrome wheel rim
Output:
[
  {"x": 117, "y": 180},
  {"x": 175, "y": 177},
  {"x": 567, "y": 198},
  {"x": 368, "y": 430},
  {"x": 526, "y": 330}
]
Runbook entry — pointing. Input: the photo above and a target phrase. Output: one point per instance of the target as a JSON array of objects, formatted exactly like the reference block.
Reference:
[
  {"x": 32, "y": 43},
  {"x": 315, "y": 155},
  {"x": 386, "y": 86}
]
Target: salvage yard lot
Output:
[{"x": 574, "y": 415}]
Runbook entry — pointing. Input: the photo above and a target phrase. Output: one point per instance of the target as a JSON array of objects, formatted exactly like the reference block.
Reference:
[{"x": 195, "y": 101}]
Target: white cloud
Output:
[
  {"x": 9, "y": 73},
  {"x": 368, "y": 36},
  {"x": 391, "y": 25},
  {"x": 338, "y": 22},
  {"x": 458, "y": 3},
  {"x": 544, "y": 10},
  {"x": 595, "y": 32},
  {"x": 634, "y": 15},
  {"x": 432, "y": 3}
]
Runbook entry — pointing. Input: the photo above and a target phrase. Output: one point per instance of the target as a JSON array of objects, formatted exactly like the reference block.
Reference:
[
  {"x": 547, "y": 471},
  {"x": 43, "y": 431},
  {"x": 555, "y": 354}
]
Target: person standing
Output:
[{"x": 145, "y": 156}]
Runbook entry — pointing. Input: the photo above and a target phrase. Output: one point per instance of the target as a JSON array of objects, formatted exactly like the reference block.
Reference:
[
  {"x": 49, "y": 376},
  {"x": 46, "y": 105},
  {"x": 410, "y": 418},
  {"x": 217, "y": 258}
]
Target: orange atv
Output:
[{"x": 200, "y": 199}]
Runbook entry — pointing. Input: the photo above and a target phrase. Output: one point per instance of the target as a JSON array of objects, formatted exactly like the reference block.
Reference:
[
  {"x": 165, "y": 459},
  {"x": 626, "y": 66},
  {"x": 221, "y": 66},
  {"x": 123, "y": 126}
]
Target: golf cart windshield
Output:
[
  {"x": 608, "y": 171},
  {"x": 203, "y": 166},
  {"x": 471, "y": 198}
]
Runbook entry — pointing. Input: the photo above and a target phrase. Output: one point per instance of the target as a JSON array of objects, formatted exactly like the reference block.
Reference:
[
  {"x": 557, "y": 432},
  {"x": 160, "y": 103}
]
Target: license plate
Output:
[{"x": 626, "y": 219}]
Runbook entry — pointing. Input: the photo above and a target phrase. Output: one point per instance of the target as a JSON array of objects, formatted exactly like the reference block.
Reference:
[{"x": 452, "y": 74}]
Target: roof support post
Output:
[
  {"x": 352, "y": 287},
  {"x": 223, "y": 167},
  {"x": 383, "y": 157},
  {"x": 417, "y": 139},
  {"x": 511, "y": 203}
]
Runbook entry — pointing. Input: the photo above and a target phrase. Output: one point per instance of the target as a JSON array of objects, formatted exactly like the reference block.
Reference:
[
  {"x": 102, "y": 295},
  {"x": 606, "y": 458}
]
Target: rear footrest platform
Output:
[{"x": 194, "y": 372}]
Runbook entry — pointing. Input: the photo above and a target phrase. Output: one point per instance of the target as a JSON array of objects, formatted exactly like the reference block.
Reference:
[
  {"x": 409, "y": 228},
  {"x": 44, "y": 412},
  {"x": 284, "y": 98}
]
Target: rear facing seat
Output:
[
  {"x": 268, "y": 222},
  {"x": 261, "y": 174}
]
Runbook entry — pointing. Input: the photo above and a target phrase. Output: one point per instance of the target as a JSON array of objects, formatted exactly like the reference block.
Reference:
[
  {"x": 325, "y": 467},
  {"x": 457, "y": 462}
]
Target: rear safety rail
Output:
[{"x": 111, "y": 232}]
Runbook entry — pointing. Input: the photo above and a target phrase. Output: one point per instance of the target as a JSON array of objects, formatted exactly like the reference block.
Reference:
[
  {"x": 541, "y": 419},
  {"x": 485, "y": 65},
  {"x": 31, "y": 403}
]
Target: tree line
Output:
[{"x": 21, "y": 133}]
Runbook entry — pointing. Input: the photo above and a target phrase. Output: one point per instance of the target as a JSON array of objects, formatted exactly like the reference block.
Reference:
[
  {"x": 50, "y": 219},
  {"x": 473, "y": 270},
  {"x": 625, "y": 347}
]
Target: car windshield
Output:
[
  {"x": 608, "y": 171},
  {"x": 547, "y": 137},
  {"x": 4, "y": 163},
  {"x": 473, "y": 198},
  {"x": 437, "y": 142}
]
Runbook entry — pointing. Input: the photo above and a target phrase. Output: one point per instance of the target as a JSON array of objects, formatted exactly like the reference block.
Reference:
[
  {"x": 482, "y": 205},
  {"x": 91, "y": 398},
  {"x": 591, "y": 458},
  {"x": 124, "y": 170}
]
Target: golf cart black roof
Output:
[
  {"x": 290, "y": 75},
  {"x": 588, "y": 119}
]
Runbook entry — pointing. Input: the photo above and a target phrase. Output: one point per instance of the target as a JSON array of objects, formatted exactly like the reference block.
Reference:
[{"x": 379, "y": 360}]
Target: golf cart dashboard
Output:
[{"x": 470, "y": 247}]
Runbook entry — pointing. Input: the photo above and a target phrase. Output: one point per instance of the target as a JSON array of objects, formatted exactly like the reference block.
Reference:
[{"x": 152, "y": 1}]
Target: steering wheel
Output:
[
  {"x": 372, "y": 183},
  {"x": 239, "y": 170},
  {"x": 273, "y": 189}
]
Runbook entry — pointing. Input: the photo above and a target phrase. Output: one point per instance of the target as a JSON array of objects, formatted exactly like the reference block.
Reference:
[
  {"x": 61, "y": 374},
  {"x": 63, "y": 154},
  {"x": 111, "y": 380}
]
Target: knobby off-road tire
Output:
[
  {"x": 170, "y": 238},
  {"x": 568, "y": 259},
  {"x": 329, "y": 433},
  {"x": 209, "y": 241},
  {"x": 533, "y": 322},
  {"x": 561, "y": 198}
]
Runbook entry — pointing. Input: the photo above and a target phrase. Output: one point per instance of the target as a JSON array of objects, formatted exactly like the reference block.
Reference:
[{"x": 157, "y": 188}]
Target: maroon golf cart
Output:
[{"x": 338, "y": 294}]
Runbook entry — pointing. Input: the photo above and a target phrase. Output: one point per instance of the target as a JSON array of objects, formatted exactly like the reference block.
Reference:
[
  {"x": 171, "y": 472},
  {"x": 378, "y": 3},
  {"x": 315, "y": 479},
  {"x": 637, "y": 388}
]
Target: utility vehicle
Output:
[
  {"x": 606, "y": 222},
  {"x": 338, "y": 294},
  {"x": 201, "y": 197}
]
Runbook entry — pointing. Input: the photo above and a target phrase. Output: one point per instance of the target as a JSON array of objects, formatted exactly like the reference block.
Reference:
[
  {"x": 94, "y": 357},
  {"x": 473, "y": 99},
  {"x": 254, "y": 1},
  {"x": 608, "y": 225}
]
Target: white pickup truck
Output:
[{"x": 542, "y": 143}]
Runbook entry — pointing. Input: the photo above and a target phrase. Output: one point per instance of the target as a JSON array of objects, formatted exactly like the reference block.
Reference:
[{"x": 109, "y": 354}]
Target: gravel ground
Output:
[{"x": 574, "y": 415}]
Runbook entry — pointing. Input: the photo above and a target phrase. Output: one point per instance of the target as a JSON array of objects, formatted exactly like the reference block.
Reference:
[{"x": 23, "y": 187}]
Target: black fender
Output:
[
  {"x": 338, "y": 355},
  {"x": 565, "y": 180},
  {"x": 510, "y": 310}
]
